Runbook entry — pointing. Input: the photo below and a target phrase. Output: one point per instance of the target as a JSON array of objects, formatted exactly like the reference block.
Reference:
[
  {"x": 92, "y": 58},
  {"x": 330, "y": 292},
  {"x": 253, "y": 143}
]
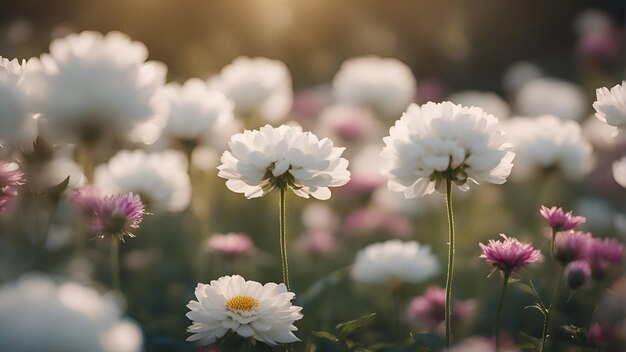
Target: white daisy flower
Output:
[
  {"x": 39, "y": 314},
  {"x": 551, "y": 96},
  {"x": 262, "y": 312},
  {"x": 193, "y": 111},
  {"x": 160, "y": 179},
  {"x": 91, "y": 85},
  {"x": 12, "y": 98},
  {"x": 259, "y": 161},
  {"x": 386, "y": 85},
  {"x": 490, "y": 102},
  {"x": 435, "y": 142},
  {"x": 619, "y": 171},
  {"x": 546, "y": 142},
  {"x": 610, "y": 105},
  {"x": 257, "y": 86},
  {"x": 393, "y": 260}
]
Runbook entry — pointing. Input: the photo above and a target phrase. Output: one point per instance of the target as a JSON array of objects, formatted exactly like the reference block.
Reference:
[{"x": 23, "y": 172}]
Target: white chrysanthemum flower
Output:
[
  {"x": 490, "y": 102},
  {"x": 90, "y": 85},
  {"x": 610, "y": 105},
  {"x": 259, "y": 161},
  {"x": 159, "y": 178},
  {"x": 37, "y": 314},
  {"x": 619, "y": 171},
  {"x": 393, "y": 260},
  {"x": 386, "y": 85},
  {"x": 193, "y": 111},
  {"x": 12, "y": 98},
  {"x": 257, "y": 86},
  {"x": 551, "y": 96},
  {"x": 547, "y": 142},
  {"x": 435, "y": 142},
  {"x": 262, "y": 312}
]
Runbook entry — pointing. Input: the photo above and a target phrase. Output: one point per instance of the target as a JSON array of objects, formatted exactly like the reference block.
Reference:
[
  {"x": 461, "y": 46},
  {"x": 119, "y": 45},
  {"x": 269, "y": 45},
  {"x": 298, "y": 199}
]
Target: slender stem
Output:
[
  {"x": 553, "y": 245},
  {"x": 283, "y": 239},
  {"x": 85, "y": 159},
  {"x": 545, "y": 340},
  {"x": 115, "y": 262},
  {"x": 507, "y": 273},
  {"x": 450, "y": 261}
]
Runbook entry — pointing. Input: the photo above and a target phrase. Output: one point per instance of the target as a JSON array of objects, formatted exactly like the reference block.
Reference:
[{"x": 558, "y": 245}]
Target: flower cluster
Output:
[
  {"x": 271, "y": 158},
  {"x": 113, "y": 215}
]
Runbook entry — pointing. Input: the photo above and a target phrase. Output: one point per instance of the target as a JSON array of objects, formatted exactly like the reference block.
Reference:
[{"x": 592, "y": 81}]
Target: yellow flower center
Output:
[{"x": 242, "y": 303}]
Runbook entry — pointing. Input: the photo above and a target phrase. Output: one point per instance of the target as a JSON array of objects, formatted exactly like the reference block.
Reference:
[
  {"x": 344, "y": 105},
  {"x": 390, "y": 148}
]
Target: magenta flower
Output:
[
  {"x": 509, "y": 254},
  {"x": 559, "y": 220},
  {"x": 115, "y": 215},
  {"x": 230, "y": 244},
  {"x": 604, "y": 255},
  {"x": 429, "y": 308},
  {"x": 577, "y": 274},
  {"x": 571, "y": 245},
  {"x": 10, "y": 178}
]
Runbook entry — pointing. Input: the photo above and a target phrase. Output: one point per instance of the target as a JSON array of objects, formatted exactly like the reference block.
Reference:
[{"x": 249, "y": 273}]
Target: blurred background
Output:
[{"x": 451, "y": 47}]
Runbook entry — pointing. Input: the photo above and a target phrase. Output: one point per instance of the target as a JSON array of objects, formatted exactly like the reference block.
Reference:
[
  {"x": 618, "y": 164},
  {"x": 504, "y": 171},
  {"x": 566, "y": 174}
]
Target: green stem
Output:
[
  {"x": 507, "y": 273},
  {"x": 115, "y": 262},
  {"x": 553, "y": 245},
  {"x": 448, "y": 312},
  {"x": 283, "y": 239},
  {"x": 545, "y": 340},
  {"x": 85, "y": 159}
]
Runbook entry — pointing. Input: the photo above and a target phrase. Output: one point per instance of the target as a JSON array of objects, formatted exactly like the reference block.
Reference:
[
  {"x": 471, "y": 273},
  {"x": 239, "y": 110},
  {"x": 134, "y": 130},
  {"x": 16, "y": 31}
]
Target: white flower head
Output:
[
  {"x": 39, "y": 314},
  {"x": 252, "y": 310},
  {"x": 385, "y": 262},
  {"x": 490, "y": 102},
  {"x": 261, "y": 160},
  {"x": 12, "y": 98},
  {"x": 193, "y": 111},
  {"x": 91, "y": 84},
  {"x": 386, "y": 85},
  {"x": 160, "y": 178},
  {"x": 619, "y": 171},
  {"x": 435, "y": 142},
  {"x": 257, "y": 86},
  {"x": 551, "y": 96},
  {"x": 610, "y": 105},
  {"x": 547, "y": 142}
]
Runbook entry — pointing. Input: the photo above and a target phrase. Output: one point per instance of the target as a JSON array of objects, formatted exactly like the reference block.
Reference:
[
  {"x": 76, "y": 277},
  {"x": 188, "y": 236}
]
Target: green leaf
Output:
[
  {"x": 351, "y": 326},
  {"x": 325, "y": 335},
  {"x": 538, "y": 307},
  {"x": 529, "y": 342},
  {"x": 321, "y": 285}
]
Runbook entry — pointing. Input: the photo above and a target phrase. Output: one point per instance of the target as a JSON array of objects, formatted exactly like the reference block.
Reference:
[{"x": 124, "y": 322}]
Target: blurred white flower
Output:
[
  {"x": 252, "y": 310},
  {"x": 551, "y": 96},
  {"x": 386, "y": 85},
  {"x": 257, "y": 86},
  {"x": 37, "y": 314},
  {"x": 545, "y": 142},
  {"x": 435, "y": 142},
  {"x": 518, "y": 74},
  {"x": 492, "y": 103},
  {"x": 56, "y": 170},
  {"x": 193, "y": 111},
  {"x": 160, "y": 178},
  {"x": 619, "y": 171},
  {"x": 386, "y": 262},
  {"x": 610, "y": 105},
  {"x": 261, "y": 160},
  {"x": 90, "y": 85},
  {"x": 12, "y": 98},
  {"x": 365, "y": 171}
]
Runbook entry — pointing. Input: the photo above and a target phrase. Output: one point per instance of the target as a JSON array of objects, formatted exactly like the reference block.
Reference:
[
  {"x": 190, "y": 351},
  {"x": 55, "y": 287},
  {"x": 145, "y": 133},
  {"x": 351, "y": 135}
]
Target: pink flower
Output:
[
  {"x": 577, "y": 273},
  {"x": 603, "y": 255},
  {"x": 602, "y": 334},
  {"x": 559, "y": 220},
  {"x": 317, "y": 242},
  {"x": 115, "y": 215},
  {"x": 510, "y": 254},
  {"x": 429, "y": 308},
  {"x": 571, "y": 245},
  {"x": 10, "y": 178},
  {"x": 230, "y": 244}
]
